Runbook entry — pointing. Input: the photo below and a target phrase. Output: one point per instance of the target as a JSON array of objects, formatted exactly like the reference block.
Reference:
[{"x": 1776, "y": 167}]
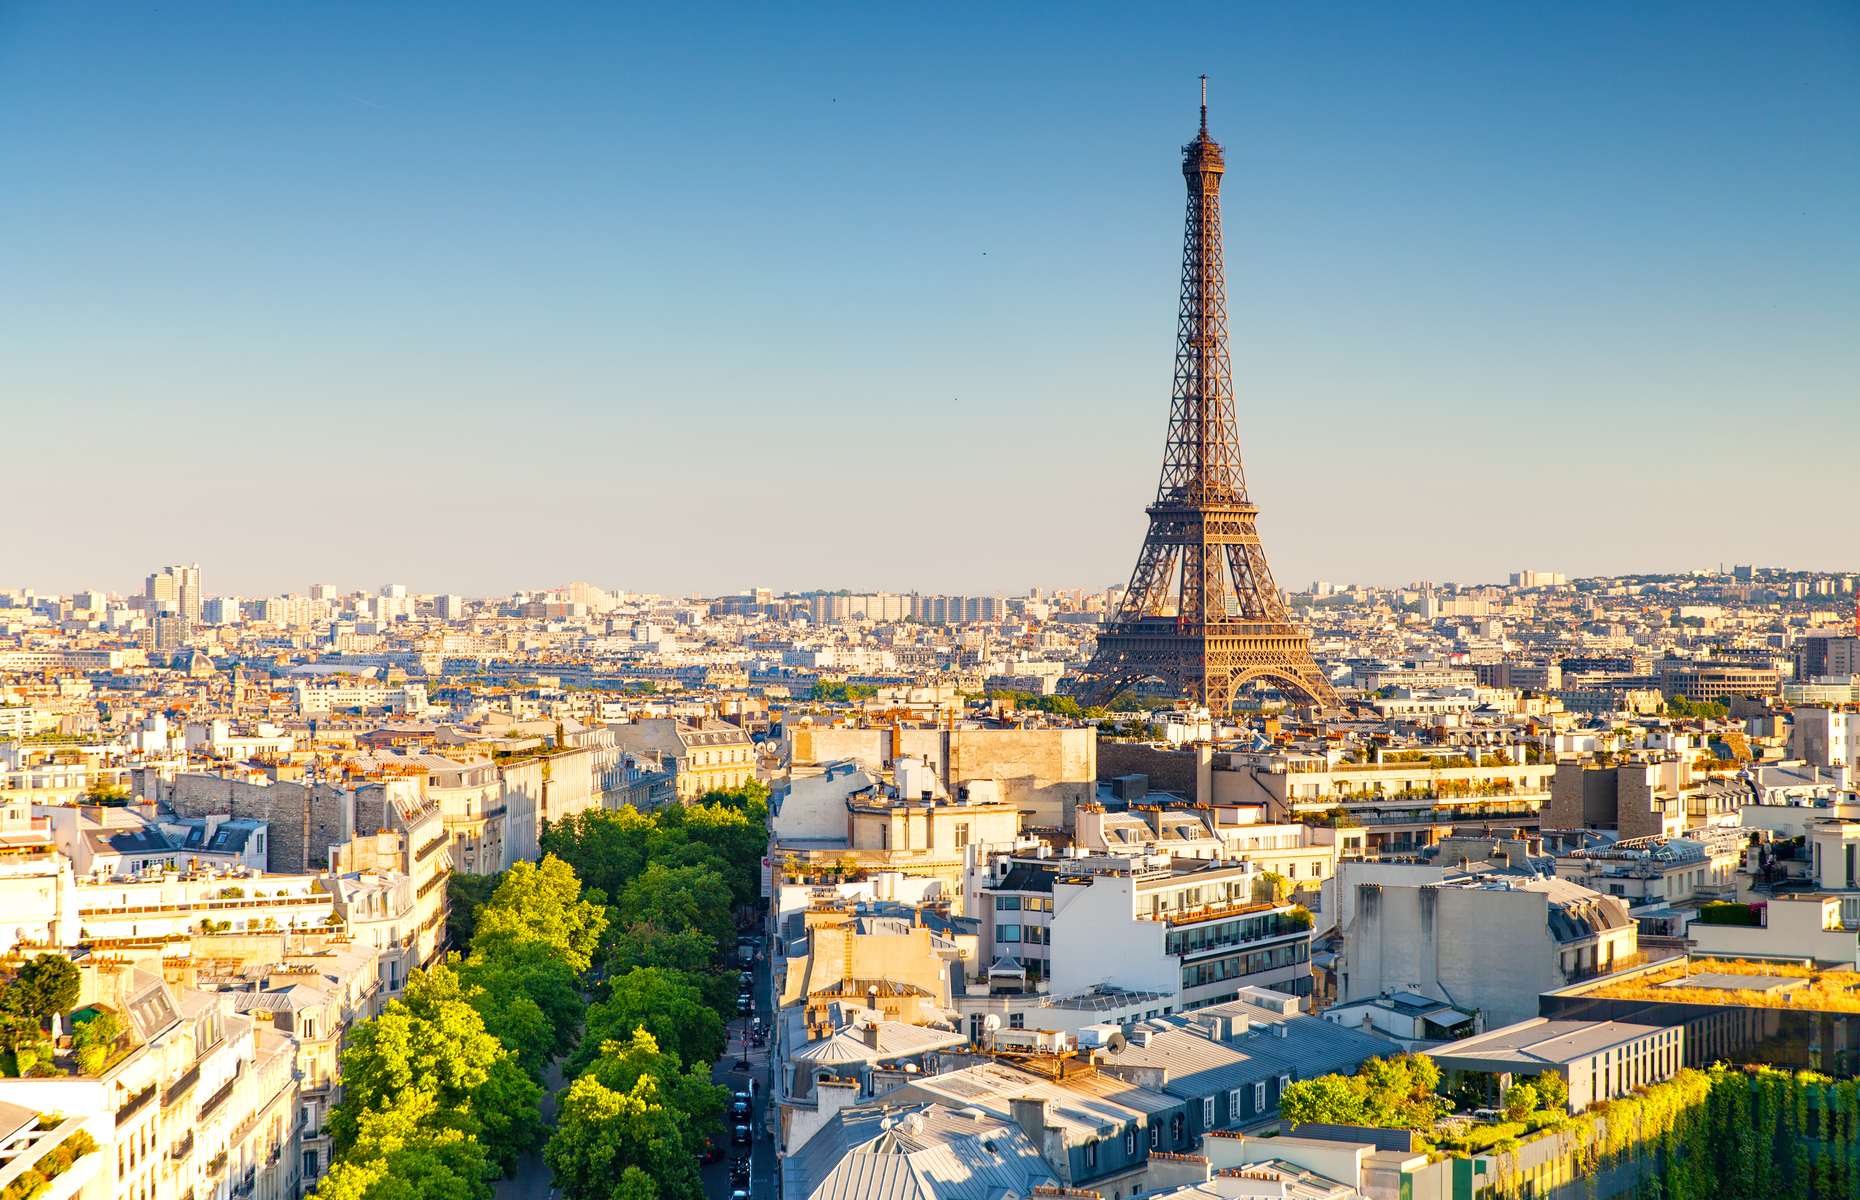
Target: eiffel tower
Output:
[{"x": 1202, "y": 614}]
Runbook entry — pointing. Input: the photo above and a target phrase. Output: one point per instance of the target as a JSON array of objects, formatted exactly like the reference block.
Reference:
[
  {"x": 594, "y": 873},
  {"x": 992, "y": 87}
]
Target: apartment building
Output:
[
  {"x": 1661, "y": 870},
  {"x": 705, "y": 756},
  {"x": 1662, "y": 797},
  {"x": 1402, "y": 801},
  {"x": 1490, "y": 940},
  {"x": 195, "y": 1100},
  {"x": 1042, "y": 772},
  {"x": 1192, "y": 930},
  {"x": 1825, "y": 736},
  {"x": 38, "y": 893}
]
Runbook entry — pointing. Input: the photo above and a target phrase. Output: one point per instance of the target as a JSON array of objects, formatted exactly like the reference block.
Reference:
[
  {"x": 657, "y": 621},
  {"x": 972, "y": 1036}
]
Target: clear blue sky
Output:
[{"x": 484, "y": 296}]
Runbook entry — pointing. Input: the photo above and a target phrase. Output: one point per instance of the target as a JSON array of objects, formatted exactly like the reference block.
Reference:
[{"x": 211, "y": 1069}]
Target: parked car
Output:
[
  {"x": 739, "y": 1110},
  {"x": 746, "y": 978},
  {"x": 739, "y": 1171},
  {"x": 740, "y": 1135},
  {"x": 744, "y": 1004}
]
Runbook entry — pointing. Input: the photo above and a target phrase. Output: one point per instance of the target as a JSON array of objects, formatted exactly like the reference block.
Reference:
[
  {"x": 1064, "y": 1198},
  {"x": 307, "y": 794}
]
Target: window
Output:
[
  {"x": 1178, "y": 1129},
  {"x": 1091, "y": 1156},
  {"x": 1017, "y": 1020},
  {"x": 1233, "y": 1105},
  {"x": 1007, "y": 933},
  {"x": 1130, "y": 1142},
  {"x": 962, "y": 834},
  {"x": 1007, "y": 903},
  {"x": 1155, "y": 1136},
  {"x": 1207, "y": 1113},
  {"x": 1259, "y": 1097},
  {"x": 1285, "y": 1081}
]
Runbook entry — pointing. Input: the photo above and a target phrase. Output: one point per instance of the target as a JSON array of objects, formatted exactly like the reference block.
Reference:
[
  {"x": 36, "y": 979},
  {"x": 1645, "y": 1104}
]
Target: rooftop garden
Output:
[
  {"x": 1819, "y": 989},
  {"x": 33, "y": 994},
  {"x": 1729, "y": 1132},
  {"x": 51, "y": 1165}
]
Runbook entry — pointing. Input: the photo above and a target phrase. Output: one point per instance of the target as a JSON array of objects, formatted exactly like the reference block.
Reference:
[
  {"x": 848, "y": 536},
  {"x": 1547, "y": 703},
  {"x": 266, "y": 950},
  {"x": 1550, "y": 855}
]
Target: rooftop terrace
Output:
[{"x": 1740, "y": 983}]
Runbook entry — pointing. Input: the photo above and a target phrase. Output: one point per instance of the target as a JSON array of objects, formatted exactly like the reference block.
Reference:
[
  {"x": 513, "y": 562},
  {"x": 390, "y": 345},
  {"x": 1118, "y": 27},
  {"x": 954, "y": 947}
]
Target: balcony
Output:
[
  {"x": 212, "y": 1103},
  {"x": 181, "y": 1086},
  {"x": 1212, "y": 912},
  {"x": 183, "y": 1148},
  {"x": 135, "y": 1104},
  {"x": 1621, "y": 962}
]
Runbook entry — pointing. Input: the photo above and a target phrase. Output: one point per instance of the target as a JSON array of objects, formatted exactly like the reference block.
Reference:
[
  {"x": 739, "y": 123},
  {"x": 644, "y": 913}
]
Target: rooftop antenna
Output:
[{"x": 1204, "y": 106}]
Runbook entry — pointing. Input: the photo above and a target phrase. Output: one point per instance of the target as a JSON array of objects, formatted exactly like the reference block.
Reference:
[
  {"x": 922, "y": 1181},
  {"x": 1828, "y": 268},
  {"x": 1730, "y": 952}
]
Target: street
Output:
[
  {"x": 531, "y": 1180},
  {"x": 762, "y": 1158}
]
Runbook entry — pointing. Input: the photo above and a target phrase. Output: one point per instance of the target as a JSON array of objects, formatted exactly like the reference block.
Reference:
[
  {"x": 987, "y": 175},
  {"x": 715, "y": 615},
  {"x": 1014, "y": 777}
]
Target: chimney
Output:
[
  {"x": 871, "y": 1035},
  {"x": 1030, "y": 1114}
]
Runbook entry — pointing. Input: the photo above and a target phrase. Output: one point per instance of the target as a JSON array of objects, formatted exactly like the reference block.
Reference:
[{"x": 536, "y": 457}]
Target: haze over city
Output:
[{"x": 481, "y": 298}]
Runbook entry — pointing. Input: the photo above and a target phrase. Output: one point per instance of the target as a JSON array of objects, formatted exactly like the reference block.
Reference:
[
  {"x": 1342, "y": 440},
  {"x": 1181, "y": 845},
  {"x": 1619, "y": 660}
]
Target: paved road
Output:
[
  {"x": 531, "y": 1181},
  {"x": 762, "y": 1157}
]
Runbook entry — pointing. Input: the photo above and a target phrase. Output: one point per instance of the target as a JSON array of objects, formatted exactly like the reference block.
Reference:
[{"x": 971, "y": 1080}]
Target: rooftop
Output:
[
  {"x": 1740, "y": 983},
  {"x": 1539, "y": 1043}
]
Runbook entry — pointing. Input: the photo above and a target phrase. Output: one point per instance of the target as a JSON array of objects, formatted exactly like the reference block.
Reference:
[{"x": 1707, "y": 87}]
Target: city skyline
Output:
[{"x": 314, "y": 288}]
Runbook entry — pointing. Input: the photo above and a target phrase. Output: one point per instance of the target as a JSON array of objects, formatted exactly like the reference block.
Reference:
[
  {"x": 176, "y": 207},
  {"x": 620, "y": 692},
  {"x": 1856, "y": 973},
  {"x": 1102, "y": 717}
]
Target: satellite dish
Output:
[
  {"x": 1116, "y": 1043},
  {"x": 990, "y": 1023}
]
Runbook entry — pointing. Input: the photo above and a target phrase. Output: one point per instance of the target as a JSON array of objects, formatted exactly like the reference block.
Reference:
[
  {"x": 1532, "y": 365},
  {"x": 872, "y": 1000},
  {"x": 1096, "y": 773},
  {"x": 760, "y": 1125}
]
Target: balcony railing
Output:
[
  {"x": 135, "y": 1104},
  {"x": 1621, "y": 962},
  {"x": 213, "y": 1102},
  {"x": 1212, "y": 912},
  {"x": 181, "y": 1086}
]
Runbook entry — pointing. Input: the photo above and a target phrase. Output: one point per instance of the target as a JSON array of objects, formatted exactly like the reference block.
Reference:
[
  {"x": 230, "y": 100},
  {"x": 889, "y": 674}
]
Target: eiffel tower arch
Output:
[{"x": 1202, "y": 614}]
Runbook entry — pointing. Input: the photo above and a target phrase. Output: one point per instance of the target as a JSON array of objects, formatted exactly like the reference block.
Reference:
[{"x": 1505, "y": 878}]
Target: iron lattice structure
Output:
[{"x": 1202, "y": 613}]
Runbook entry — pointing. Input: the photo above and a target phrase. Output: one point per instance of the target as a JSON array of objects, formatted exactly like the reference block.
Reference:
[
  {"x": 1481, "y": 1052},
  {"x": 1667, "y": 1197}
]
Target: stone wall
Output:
[
  {"x": 282, "y": 805},
  {"x": 1168, "y": 770}
]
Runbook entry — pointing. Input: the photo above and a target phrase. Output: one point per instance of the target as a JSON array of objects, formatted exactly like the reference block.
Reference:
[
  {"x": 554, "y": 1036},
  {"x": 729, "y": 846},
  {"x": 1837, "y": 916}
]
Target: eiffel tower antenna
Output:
[{"x": 1202, "y": 615}]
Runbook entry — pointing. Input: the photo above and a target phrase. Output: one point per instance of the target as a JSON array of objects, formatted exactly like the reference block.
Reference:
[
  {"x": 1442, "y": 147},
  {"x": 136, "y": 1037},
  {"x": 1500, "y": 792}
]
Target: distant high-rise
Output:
[{"x": 176, "y": 589}]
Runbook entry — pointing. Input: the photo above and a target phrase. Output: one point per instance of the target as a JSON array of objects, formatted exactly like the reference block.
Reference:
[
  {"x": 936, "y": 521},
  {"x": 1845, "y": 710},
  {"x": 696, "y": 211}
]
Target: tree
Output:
[
  {"x": 465, "y": 895},
  {"x": 1391, "y": 1093},
  {"x": 1326, "y": 1100},
  {"x": 1272, "y": 888},
  {"x": 514, "y": 973},
  {"x": 1553, "y": 1091},
  {"x": 1520, "y": 1101},
  {"x": 604, "y": 1137},
  {"x": 678, "y": 898},
  {"x": 93, "y": 1041},
  {"x": 686, "y": 1088},
  {"x": 433, "y": 1042},
  {"x": 23, "y": 1039},
  {"x": 1401, "y": 1091},
  {"x": 667, "y": 1005},
  {"x": 739, "y": 836},
  {"x": 44, "y": 987},
  {"x": 542, "y": 902},
  {"x": 407, "y": 1153},
  {"x": 606, "y": 849},
  {"x": 687, "y": 952}
]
